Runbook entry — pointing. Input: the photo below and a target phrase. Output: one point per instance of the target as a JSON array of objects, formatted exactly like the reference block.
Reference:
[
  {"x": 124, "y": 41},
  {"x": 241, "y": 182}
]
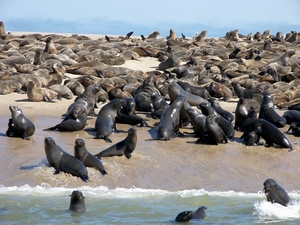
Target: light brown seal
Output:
[{"x": 36, "y": 93}]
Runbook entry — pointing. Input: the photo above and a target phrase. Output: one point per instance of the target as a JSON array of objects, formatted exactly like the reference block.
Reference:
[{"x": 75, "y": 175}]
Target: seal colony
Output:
[{"x": 210, "y": 64}]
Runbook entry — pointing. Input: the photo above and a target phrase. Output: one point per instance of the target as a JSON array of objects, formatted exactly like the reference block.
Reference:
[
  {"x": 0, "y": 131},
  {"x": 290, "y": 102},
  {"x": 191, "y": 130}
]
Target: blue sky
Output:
[{"x": 143, "y": 17}]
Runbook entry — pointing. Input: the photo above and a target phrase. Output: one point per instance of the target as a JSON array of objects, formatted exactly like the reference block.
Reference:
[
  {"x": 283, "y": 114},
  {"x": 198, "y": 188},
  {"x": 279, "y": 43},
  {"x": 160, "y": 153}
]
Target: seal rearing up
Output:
[{"x": 23, "y": 127}]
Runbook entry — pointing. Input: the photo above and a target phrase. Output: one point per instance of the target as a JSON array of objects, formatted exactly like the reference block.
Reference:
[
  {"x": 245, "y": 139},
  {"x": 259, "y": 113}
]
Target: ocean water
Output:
[{"x": 48, "y": 205}]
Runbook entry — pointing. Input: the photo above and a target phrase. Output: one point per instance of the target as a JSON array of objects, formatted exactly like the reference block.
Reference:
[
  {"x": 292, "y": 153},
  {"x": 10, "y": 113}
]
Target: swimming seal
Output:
[
  {"x": 22, "y": 126},
  {"x": 186, "y": 216},
  {"x": 170, "y": 120},
  {"x": 106, "y": 120},
  {"x": 275, "y": 193},
  {"x": 63, "y": 161},
  {"x": 124, "y": 147},
  {"x": 81, "y": 153},
  {"x": 77, "y": 203}
]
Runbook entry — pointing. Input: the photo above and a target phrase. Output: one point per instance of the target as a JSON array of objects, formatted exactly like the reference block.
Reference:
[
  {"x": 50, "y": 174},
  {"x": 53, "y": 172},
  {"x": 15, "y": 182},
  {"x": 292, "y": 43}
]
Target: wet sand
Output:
[{"x": 178, "y": 164}]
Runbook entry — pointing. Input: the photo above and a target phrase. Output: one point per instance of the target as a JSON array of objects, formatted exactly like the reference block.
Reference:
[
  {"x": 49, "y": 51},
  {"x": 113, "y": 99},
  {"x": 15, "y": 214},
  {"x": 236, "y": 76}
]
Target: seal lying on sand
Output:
[
  {"x": 186, "y": 216},
  {"x": 77, "y": 203},
  {"x": 19, "y": 125},
  {"x": 124, "y": 147},
  {"x": 74, "y": 121},
  {"x": 275, "y": 193},
  {"x": 63, "y": 161}
]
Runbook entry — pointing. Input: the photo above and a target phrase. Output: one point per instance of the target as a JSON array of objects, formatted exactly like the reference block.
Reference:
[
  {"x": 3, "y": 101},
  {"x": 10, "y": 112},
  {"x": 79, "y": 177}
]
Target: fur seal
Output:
[
  {"x": 218, "y": 90},
  {"x": 131, "y": 119},
  {"x": 159, "y": 105},
  {"x": 124, "y": 147},
  {"x": 36, "y": 93},
  {"x": 81, "y": 153},
  {"x": 291, "y": 116},
  {"x": 268, "y": 112},
  {"x": 275, "y": 193},
  {"x": 87, "y": 99},
  {"x": 62, "y": 90},
  {"x": 241, "y": 113},
  {"x": 197, "y": 120},
  {"x": 63, "y": 161},
  {"x": 22, "y": 126},
  {"x": 175, "y": 90},
  {"x": 224, "y": 113},
  {"x": 170, "y": 120},
  {"x": 186, "y": 216},
  {"x": 77, "y": 203},
  {"x": 106, "y": 123},
  {"x": 154, "y": 34},
  {"x": 142, "y": 95},
  {"x": 226, "y": 126},
  {"x": 75, "y": 120},
  {"x": 215, "y": 134},
  {"x": 2, "y": 30},
  {"x": 267, "y": 131}
]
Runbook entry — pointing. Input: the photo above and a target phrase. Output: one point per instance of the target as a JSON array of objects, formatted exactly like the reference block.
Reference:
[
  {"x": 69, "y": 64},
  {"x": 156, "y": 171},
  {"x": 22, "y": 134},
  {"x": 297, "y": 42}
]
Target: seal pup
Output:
[
  {"x": 275, "y": 193},
  {"x": 36, "y": 93},
  {"x": 81, "y": 153},
  {"x": 124, "y": 147},
  {"x": 106, "y": 119},
  {"x": 241, "y": 113},
  {"x": 21, "y": 123},
  {"x": 63, "y": 161},
  {"x": 186, "y": 216},
  {"x": 77, "y": 203}
]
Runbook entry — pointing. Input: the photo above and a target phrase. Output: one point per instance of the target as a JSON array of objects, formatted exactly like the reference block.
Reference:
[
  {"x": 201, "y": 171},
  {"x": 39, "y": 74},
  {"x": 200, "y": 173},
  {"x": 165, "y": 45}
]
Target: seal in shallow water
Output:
[
  {"x": 124, "y": 147},
  {"x": 23, "y": 127},
  {"x": 81, "y": 153},
  {"x": 275, "y": 193},
  {"x": 63, "y": 161},
  {"x": 77, "y": 203}
]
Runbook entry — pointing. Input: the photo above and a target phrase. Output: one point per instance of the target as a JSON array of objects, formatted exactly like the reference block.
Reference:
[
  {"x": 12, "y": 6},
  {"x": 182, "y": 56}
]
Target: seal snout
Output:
[{"x": 79, "y": 142}]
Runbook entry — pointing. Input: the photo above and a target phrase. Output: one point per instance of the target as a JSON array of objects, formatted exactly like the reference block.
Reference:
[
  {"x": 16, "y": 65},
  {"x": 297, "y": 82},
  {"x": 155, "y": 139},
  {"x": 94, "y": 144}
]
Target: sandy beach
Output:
[{"x": 178, "y": 164}]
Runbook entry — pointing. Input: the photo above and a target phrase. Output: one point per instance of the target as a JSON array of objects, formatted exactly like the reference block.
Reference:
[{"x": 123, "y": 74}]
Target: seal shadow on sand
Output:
[{"x": 44, "y": 162}]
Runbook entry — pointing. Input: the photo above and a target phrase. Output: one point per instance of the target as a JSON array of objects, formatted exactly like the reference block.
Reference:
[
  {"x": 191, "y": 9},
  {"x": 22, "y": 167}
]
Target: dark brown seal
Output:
[
  {"x": 81, "y": 153},
  {"x": 22, "y": 126},
  {"x": 63, "y": 161},
  {"x": 124, "y": 147},
  {"x": 106, "y": 123},
  {"x": 275, "y": 193},
  {"x": 77, "y": 203}
]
